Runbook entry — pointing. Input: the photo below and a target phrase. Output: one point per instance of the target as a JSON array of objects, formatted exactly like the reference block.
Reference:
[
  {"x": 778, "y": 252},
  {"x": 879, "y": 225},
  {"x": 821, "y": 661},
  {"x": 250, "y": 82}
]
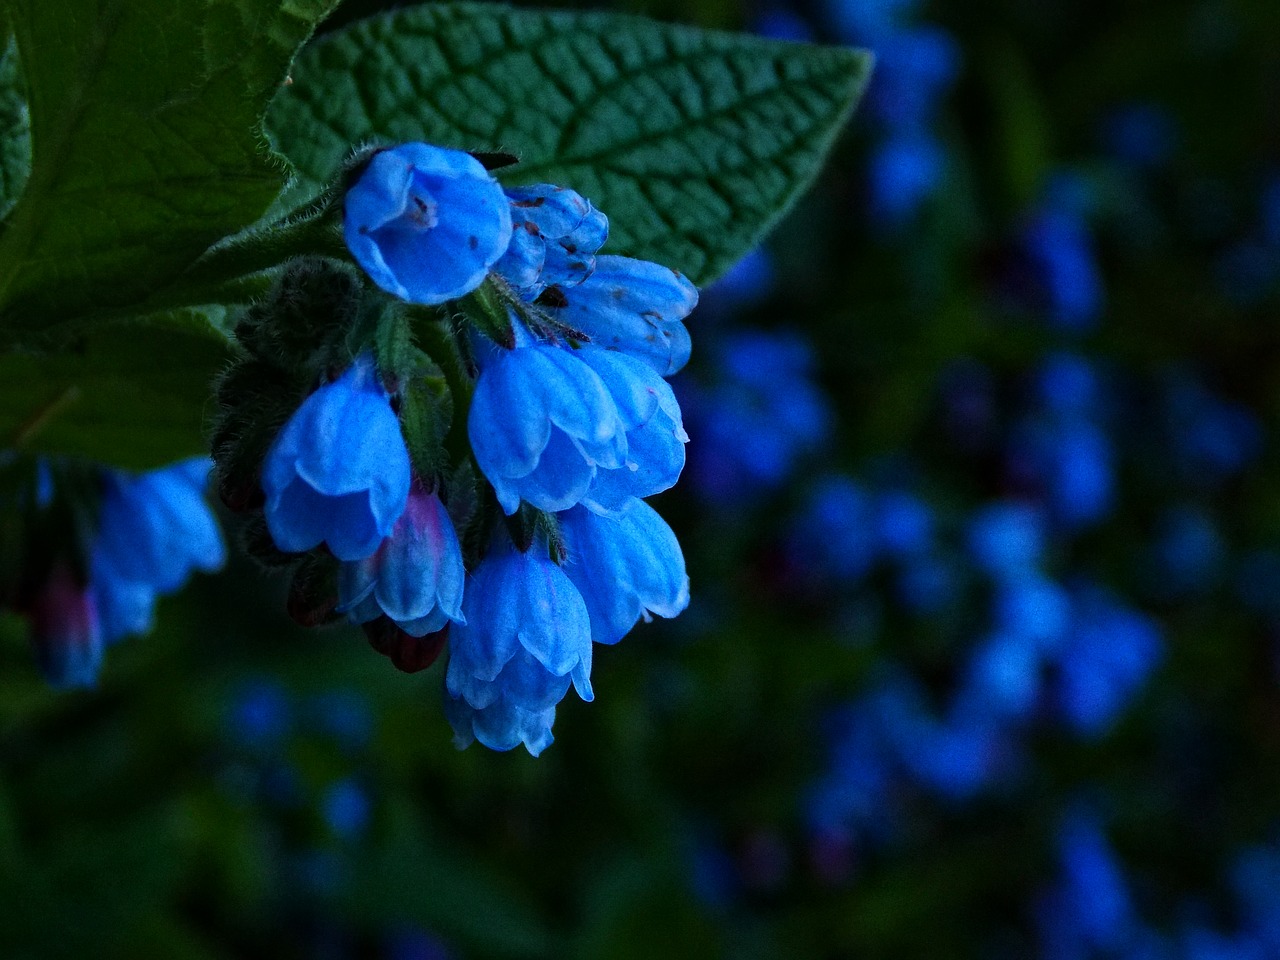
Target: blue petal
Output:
[
  {"x": 520, "y": 397},
  {"x": 530, "y": 685},
  {"x": 488, "y": 637},
  {"x": 636, "y": 307},
  {"x": 527, "y": 635},
  {"x": 356, "y": 580},
  {"x": 426, "y": 223},
  {"x": 501, "y": 726},
  {"x": 560, "y": 480},
  {"x": 339, "y": 470},
  {"x": 156, "y": 528},
  {"x": 636, "y": 388},
  {"x": 555, "y": 627},
  {"x": 625, "y": 566},
  {"x": 655, "y": 460},
  {"x": 421, "y": 554},
  {"x": 433, "y": 622},
  {"x": 353, "y": 532},
  {"x": 555, "y": 235},
  {"x": 125, "y": 607}
]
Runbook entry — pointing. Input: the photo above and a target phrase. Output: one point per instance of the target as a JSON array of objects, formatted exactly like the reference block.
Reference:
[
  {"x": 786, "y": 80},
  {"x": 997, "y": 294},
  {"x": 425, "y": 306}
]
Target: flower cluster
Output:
[
  {"x": 553, "y": 390},
  {"x": 101, "y": 546}
]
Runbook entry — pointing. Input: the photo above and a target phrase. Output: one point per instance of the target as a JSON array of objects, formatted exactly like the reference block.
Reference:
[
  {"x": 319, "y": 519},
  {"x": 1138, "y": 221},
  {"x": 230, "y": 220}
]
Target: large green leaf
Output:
[
  {"x": 15, "y": 130},
  {"x": 146, "y": 144},
  {"x": 692, "y": 141},
  {"x": 132, "y": 395}
]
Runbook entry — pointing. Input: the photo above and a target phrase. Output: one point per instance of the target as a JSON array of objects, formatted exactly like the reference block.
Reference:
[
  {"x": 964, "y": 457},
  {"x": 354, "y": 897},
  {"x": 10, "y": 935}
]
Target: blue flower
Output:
[
  {"x": 415, "y": 577},
  {"x": 541, "y": 423},
  {"x": 1064, "y": 271},
  {"x": 748, "y": 281},
  {"x": 338, "y": 472},
  {"x": 1071, "y": 461},
  {"x": 1002, "y": 679},
  {"x": 625, "y": 566},
  {"x": 835, "y": 535},
  {"x": 904, "y": 523},
  {"x": 632, "y": 306},
  {"x": 914, "y": 69},
  {"x": 1067, "y": 385},
  {"x": 154, "y": 530},
  {"x": 1109, "y": 655},
  {"x": 345, "y": 806},
  {"x": 1214, "y": 438},
  {"x": 904, "y": 172},
  {"x": 1034, "y": 608},
  {"x": 125, "y": 607},
  {"x": 259, "y": 714},
  {"x": 554, "y": 238},
  {"x": 779, "y": 23},
  {"x": 65, "y": 633},
  {"x": 954, "y": 756},
  {"x": 869, "y": 21},
  {"x": 1006, "y": 538},
  {"x": 1090, "y": 907},
  {"x": 654, "y": 429},
  {"x": 527, "y": 636},
  {"x": 426, "y": 223},
  {"x": 763, "y": 415},
  {"x": 556, "y": 426},
  {"x": 855, "y": 790}
]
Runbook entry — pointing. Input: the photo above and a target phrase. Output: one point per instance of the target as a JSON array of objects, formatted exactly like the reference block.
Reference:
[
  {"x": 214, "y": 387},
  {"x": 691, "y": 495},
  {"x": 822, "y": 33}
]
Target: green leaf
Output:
[
  {"x": 15, "y": 130},
  {"x": 132, "y": 395},
  {"x": 692, "y": 141},
  {"x": 146, "y": 144}
]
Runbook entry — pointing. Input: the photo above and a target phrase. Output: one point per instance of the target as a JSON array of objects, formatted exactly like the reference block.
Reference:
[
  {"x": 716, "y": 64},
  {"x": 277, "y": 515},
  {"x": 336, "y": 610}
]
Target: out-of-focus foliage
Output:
[{"x": 982, "y": 518}]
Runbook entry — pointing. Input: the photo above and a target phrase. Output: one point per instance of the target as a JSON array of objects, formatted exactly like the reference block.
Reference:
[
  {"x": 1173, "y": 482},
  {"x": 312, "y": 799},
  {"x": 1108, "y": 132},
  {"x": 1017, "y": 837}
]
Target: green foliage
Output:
[
  {"x": 133, "y": 395},
  {"x": 146, "y": 145},
  {"x": 692, "y": 141},
  {"x": 15, "y": 130},
  {"x": 144, "y": 150}
]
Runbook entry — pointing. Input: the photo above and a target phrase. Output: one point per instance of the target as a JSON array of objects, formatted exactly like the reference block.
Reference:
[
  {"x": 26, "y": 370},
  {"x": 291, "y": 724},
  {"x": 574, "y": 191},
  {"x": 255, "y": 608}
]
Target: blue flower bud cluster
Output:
[
  {"x": 100, "y": 547},
  {"x": 1066, "y": 648},
  {"x": 568, "y": 419},
  {"x": 916, "y": 66}
]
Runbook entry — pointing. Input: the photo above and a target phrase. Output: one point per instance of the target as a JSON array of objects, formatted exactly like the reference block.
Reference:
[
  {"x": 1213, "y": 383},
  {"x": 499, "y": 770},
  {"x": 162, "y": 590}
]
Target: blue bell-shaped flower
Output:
[
  {"x": 527, "y": 636},
  {"x": 415, "y": 577},
  {"x": 626, "y": 566},
  {"x": 338, "y": 472},
  {"x": 66, "y": 636},
  {"x": 541, "y": 423},
  {"x": 426, "y": 223},
  {"x": 633, "y": 306}
]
